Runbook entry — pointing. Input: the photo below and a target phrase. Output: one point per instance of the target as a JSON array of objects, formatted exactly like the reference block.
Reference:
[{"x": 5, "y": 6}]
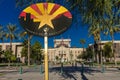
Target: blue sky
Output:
[{"x": 9, "y": 14}]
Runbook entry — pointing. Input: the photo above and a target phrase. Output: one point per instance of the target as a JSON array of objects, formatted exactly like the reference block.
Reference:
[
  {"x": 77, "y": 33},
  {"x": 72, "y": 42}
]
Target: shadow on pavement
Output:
[
  {"x": 70, "y": 71},
  {"x": 68, "y": 75},
  {"x": 83, "y": 77}
]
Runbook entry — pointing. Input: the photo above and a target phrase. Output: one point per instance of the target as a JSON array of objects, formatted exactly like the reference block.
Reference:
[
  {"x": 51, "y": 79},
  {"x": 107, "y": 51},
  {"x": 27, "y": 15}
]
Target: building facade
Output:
[
  {"x": 116, "y": 48},
  {"x": 16, "y": 48},
  {"x": 63, "y": 51}
]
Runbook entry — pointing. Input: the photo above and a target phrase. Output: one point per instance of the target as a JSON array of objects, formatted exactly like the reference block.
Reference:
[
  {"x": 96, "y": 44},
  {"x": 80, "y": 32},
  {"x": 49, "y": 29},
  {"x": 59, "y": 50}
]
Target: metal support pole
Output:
[
  {"x": 82, "y": 69},
  {"x": 103, "y": 69},
  {"x": 21, "y": 70},
  {"x": 46, "y": 54},
  {"x": 35, "y": 66},
  {"x": 41, "y": 69},
  {"x": 61, "y": 71}
]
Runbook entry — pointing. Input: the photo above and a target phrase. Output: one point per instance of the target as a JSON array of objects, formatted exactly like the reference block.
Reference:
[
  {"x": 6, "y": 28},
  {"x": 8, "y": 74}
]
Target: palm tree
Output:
[
  {"x": 11, "y": 33},
  {"x": 92, "y": 10},
  {"x": 24, "y": 33},
  {"x": 93, "y": 13},
  {"x": 8, "y": 54},
  {"x": 82, "y": 41},
  {"x": 2, "y": 34},
  {"x": 95, "y": 32},
  {"x": 111, "y": 29},
  {"x": 112, "y": 24}
]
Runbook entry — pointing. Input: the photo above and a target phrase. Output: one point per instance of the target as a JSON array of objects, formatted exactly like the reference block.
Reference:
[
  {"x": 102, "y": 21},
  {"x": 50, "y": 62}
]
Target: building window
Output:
[
  {"x": 0, "y": 47},
  {"x": 64, "y": 55},
  {"x": 115, "y": 45},
  {"x": 7, "y": 47},
  {"x": 75, "y": 51}
]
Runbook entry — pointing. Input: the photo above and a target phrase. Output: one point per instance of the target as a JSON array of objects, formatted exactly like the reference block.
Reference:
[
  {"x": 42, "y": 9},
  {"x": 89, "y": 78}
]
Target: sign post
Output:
[
  {"x": 46, "y": 20},
  {"x": 46, "y": 53}
]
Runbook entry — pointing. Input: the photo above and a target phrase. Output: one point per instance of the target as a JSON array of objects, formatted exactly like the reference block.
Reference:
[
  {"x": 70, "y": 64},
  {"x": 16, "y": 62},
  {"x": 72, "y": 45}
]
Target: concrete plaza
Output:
[{"x": 69, "y": 73}]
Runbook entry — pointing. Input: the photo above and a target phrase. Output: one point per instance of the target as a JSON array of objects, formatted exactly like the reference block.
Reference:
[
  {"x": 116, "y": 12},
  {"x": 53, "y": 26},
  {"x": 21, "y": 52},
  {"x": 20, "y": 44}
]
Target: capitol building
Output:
[{"x": 63, "y": 51}]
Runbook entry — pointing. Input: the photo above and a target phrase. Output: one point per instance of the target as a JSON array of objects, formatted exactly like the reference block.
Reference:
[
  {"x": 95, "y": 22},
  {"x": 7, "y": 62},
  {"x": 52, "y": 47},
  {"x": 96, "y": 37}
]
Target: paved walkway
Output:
[
  {"x": 103, "y": 76},
  {"x": 69, "y": 74}
]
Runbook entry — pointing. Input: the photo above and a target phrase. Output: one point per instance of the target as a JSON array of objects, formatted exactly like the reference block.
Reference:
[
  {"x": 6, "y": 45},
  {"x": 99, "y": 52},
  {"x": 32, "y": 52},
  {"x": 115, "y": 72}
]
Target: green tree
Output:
[
  {"x": 37, "y": 54},
  {"x": 88, "y": 54},
  {"x": 13, "y": 58},
  {"x": 95, "y": 32},
  {"x": 89, "y": 51},
  {"x": 24, "y": 52},
  {"x": 107, "y": 50},
  {"x": 8, "y": 54}
]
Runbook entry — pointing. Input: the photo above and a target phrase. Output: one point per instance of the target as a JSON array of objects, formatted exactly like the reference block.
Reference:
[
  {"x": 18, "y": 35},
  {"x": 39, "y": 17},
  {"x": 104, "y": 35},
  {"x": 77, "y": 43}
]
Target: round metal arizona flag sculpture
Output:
[{"x": 37, "y": 17}]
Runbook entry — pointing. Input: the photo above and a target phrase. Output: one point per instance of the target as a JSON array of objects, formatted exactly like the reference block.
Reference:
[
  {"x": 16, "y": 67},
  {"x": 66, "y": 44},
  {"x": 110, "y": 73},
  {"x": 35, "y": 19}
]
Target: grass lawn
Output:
[{"x": 1, "y": 74}]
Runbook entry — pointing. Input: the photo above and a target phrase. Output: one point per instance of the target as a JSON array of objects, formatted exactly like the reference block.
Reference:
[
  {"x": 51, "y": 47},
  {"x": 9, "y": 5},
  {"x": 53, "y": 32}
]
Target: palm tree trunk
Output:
[
  {"x": 10, "y": 50},
  {"x": 113, "y": 50},
  {"x": 83, "y": 47},
  {"x": 28, "y": 50},
  {"x": 10, "y": 44},
  {"x": 96, "y": 51},
  {"x": 93, "y": 57},
  {"x": 29, "y": 38},
  {"x": 101, "y": 61},
  {"x": 97, "y": 57},
  {"x": 99, "y": 53}
]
